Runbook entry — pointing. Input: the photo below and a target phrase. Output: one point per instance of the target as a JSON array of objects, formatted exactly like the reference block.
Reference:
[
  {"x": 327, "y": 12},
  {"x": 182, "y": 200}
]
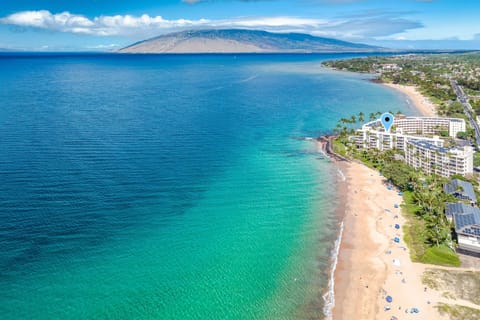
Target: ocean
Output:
[{"x": 170, "y": 187}]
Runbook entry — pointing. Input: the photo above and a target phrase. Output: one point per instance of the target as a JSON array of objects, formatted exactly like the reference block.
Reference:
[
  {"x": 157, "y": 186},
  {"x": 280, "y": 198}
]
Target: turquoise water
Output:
[{"x": 169, "y": 187}]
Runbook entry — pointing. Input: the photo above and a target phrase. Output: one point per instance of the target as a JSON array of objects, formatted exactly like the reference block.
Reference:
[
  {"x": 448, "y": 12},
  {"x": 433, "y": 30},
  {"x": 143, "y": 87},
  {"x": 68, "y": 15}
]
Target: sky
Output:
[{"x": 90, "y": 25}]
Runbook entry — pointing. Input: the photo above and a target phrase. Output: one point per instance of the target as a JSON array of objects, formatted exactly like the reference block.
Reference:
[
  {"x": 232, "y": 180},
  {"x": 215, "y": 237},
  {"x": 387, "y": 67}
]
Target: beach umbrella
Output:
[
  {"x": 389, "y": 299},
  {"x": 396, "y": 239},
  {"x": 397, "y": 226}
]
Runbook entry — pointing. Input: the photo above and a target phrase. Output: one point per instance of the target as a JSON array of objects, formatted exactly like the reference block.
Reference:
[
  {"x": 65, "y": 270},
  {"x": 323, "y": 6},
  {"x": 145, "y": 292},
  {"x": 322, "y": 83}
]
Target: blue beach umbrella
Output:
[
  {"x": 389, "y": 299},
  {"x": 396, "y": 239},
  {"x": 397, "y": 226}
]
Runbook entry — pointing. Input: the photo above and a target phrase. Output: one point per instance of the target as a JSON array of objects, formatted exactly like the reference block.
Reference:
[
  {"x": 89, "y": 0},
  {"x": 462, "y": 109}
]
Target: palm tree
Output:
[
  {"x": 353, "y": 119},
  {"x": 361, "y": 117},
  {"x": 372, "y": 116},
  {"x": 427, "y": 199},
  {"x": 338, "y": 128}
]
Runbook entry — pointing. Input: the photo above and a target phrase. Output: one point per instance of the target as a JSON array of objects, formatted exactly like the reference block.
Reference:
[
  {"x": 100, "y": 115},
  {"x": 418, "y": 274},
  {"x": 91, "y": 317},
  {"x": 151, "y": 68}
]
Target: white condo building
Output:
[
  {"x": 442, "y": 161},
  {"x": 429, "y": 125},
  {"x": 423, "y": 149}
]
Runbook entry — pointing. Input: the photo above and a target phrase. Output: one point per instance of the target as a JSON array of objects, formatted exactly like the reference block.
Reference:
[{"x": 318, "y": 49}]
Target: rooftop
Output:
[
  {"x": 459, "y": 208},
  {"x": 462, "y": 188},
  {"x": 428, "y": 145},
  {"x": 466, "y": 217},
  {"x": 468, "y": 223}
]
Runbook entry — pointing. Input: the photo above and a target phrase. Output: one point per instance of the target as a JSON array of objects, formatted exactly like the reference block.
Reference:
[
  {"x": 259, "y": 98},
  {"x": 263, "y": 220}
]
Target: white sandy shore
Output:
[
  {"x": 365, "y": 272},
  {"x": 422, "y": 103}
]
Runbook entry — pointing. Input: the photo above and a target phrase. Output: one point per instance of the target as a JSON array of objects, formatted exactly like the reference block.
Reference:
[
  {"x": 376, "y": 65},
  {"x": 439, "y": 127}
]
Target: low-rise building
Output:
[
  {"x": 453, "y": 208},
  {"x": 467, "y": 225},
  {"x": 461, "y": 190}
]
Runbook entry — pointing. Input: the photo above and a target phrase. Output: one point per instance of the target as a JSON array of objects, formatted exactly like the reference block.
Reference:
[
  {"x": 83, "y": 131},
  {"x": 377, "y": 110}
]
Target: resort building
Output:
[
  {"x": 425, "y": 126},
  {"x": 467, "y": 225},
  {"x": 420, "y": 126},
  {"x": 461, "y": 190},
  {"x": 416, "y": 137},
  {"x": 433, "y": 159},
  {"x": 381, "y": 140}
]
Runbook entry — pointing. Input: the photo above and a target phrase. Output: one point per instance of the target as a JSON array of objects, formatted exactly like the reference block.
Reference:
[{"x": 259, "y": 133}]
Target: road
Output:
[{"x": 469, "y": 112}]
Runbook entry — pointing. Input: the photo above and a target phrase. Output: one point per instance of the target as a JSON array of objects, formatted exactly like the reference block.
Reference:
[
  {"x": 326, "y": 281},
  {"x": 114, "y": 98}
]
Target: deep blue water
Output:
[{"x": 168, "y": 187}]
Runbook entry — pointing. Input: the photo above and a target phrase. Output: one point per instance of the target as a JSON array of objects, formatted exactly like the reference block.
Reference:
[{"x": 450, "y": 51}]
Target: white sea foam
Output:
[
  {"x": 248, "y": 79},
  {"x": 329, "y": 296},
  {"x": 323, "y": 153},
  {"x": 340, "y": 173}
]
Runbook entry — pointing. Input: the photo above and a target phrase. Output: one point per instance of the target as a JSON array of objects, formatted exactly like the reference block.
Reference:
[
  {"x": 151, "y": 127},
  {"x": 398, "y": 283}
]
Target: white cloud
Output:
[
  {"x": 272, "y": 22},
  {"x": 101, "y": 26},
  {"x": 104, "y": 46},
  {"x": 145, "y": 25}
]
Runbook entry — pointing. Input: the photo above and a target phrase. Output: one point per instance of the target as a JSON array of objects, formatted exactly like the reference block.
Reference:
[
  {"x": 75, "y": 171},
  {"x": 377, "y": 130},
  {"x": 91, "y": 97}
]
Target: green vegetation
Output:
[
  {"x": 430, "y": 73},
  {"x": 428, "y": 233},
  {"x": 453, "y": 110},
  {"x": 476, "y": 104},
  {"x": 419, "y": 241},
  {"x": 463, "y": 285},
  {"x": 476, "y": 159},
  {"x": 339, "y": 148},
  {"x": 456, "y": 312}
]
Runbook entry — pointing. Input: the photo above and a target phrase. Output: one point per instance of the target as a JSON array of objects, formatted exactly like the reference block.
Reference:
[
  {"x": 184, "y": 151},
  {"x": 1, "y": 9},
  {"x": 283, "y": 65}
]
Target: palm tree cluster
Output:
[
  {"x": 431, "y": 203},
  {"x": 347, "y": 126}
]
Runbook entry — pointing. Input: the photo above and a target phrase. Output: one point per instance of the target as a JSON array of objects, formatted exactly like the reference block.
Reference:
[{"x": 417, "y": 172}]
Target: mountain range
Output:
[{"x": 243, "y": 41}]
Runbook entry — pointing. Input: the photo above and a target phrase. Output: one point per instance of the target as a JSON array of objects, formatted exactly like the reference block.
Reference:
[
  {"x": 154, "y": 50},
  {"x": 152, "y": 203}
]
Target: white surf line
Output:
[
  {"x": 329, "y": 296},
  {"x": 323, "y": 153},
  {"x": 340, "y": 173}
]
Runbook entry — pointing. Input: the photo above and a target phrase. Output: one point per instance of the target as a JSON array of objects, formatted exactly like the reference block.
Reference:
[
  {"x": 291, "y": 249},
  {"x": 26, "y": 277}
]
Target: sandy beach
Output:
[
  {"x": 422, "y": 103},
  {"x": 371, "y": 266}
]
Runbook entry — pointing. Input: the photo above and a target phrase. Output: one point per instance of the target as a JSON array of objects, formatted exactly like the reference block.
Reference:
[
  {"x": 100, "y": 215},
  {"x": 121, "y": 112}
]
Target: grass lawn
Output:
[
  {"x": 456, "y": 312},
  {"x": 339, "y": 147},
  {"x": 459, "y": 284}
]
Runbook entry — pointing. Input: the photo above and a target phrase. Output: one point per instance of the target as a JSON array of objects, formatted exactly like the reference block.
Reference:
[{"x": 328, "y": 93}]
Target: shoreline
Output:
[
  {"x": 420, "y": 102},
  {"x": 370, "y": 265},
  {"x": 363, "y": 270}
]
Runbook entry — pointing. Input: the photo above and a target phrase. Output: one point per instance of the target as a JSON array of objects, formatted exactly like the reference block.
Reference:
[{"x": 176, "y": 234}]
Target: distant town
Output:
[{"x": 450, "y": 81}]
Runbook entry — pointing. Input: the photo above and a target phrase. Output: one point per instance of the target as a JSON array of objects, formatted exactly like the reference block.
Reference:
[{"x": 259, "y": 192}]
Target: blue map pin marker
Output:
[{"x": 387, "y": 120}]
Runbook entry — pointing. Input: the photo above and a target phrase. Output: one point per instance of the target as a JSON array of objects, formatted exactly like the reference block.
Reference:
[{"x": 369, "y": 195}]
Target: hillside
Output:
[{"x": 242, "y": 41}]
